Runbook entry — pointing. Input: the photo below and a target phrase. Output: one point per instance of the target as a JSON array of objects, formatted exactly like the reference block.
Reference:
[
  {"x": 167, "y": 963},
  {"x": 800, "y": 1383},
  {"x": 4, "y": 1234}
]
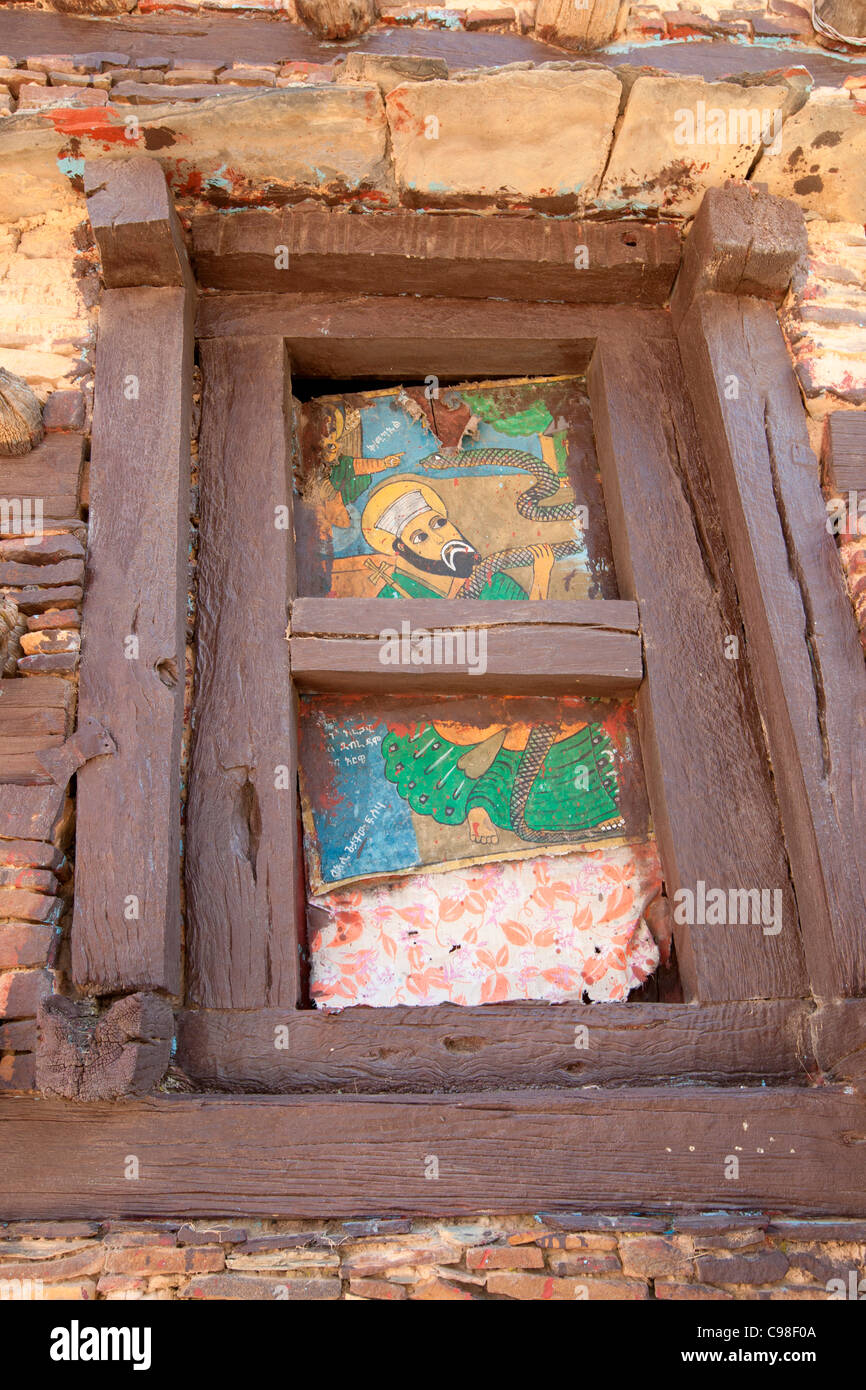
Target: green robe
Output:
[
  {"x": 425, "y": 771},
  {"x": 500, "y": 586}
]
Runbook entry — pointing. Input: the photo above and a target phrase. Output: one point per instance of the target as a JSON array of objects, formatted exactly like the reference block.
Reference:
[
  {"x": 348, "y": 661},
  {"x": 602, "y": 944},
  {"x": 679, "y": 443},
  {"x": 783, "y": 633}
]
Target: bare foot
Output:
[{"x": 482, "y": 831}]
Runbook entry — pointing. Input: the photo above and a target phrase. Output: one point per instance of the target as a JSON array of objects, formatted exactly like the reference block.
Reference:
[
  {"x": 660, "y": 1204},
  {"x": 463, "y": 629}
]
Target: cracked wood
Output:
[
  {"x": 801, "y": 632},
  {"x": 450, "y": 255},
  {"x": 708, "y": 779},
  {"x": 126, "y": 925},
  {"x": 243, "y": 877},
  {"x": 330, "y": 1156}
]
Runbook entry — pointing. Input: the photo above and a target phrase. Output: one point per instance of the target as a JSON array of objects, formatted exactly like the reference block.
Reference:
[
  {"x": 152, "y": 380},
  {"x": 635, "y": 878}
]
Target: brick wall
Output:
[{"x": 707, "y": 1256}]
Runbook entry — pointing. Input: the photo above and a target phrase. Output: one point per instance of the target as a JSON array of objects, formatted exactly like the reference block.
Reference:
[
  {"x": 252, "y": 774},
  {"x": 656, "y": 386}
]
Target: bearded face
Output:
[{"x": 433, "y": 544}]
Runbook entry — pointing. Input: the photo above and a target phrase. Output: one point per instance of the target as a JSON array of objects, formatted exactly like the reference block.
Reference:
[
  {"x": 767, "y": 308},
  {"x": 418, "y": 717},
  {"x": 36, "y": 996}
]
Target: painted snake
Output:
[{"x": 528, "y": 505}]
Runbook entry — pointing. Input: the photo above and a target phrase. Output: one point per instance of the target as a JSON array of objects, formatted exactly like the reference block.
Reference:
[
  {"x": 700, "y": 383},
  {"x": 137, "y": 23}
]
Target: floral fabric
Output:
[{"x": 555, "y": 928}]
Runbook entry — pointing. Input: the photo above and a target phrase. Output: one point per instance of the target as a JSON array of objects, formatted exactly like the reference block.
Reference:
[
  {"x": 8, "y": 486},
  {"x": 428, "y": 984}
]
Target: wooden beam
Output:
[
  {"x": 357, "y": 617},
  {"x": 454, "y": 1048},
  {"x": 743, "y": 241},
  {"x": 452, "y": 255},
  {"x": 843, "y": 454},
  {"x": 415, "y": 653},
  {"x": 126, "y": 926},
  {"x": 134, "y": 221},
  {"x": 708, "y": 780},
  {"x": 800, "y": 628},
  {"x": 412, "y": 338},
  {"x": 501, "y": 1151},
  {"x": 244, "y": 881}
]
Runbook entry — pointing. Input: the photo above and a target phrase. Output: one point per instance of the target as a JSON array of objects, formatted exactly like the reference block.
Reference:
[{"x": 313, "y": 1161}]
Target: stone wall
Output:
[{"x": 712, "y": 1255}]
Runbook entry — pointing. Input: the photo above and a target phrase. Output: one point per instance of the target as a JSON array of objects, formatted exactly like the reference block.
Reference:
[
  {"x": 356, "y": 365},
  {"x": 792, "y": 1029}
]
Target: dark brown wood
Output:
[
  {"x": 803, "y": 643},
  {"x": 244, "y": 923},
  {"x": 49, "y": 475},
  {"x": 34, "y": 715},
  {"x": 843, "y": 453},
  {"x": 743, "y": 241},
  {"x": 403, "y": 338},
  {"x": 709, "y": 785},
  {"x": 451, "y": 255},
  {"x": 449, "y": 1047},
  {"x": 135, "y": 224},
  {"x": 800, "y": 1150},
  {"x": 838, "y": 1033},
  {"x": 126, "y": 926},
  {"x": 124, "y": 1051},
  {"x": 513, "y": 659},
  {"x": 357, "y": 617}
]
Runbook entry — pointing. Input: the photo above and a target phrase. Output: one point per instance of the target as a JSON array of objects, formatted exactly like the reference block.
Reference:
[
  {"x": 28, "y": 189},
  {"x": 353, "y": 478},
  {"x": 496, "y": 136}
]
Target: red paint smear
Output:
[{"x": 89, "y": 120}]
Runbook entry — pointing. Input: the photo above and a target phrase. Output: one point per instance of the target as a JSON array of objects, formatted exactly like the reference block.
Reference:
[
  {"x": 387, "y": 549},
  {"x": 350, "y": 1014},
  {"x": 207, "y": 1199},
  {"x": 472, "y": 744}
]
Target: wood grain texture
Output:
[
  {"x": 742, "y": 241},
  {"x": 843, "y": 454},
  {"x": 709, "y": 784},
  {"x": 357, "y": 617},
  {"x": 34, "y": 715},
  {"x": 123, "y": 1051},
  {"x": 244, "y": 923},
  {"x": 50, "y": 475},
  {"x": 129, "y": 804},
  {"x": 514, "y": 660},
  {"x": 403, "y": 338},
  {"x": 330, "y": 1156},
  {"x": 135, "y": 224},
  {"x": 449, "y": 1047},
  {"x": 448, "y": 255},
  {"x": 802, "y": 637}
]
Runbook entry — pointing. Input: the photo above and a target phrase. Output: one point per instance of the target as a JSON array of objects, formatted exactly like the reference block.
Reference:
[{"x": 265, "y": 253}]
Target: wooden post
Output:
[
  {"x": 126, "y": 924},
  {"x": 243, "y": 876}
]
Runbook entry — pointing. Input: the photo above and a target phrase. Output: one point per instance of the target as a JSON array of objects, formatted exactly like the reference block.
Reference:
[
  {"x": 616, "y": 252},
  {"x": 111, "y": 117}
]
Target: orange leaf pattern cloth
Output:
[{"x": 556, "y": 928}]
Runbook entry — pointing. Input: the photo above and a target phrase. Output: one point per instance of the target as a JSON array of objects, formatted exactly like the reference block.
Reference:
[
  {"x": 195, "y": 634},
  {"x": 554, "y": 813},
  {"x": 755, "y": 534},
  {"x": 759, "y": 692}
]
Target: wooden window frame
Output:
[{"x": 495, "y": 1092}]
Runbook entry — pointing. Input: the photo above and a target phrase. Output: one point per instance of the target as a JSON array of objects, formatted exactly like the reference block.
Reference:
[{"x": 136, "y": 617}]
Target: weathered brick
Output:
[
  {"x": 505, "y": 1257},
  {"x": 212, "y": 1235},
  {"x": 31, "y": 852},
  {"x": 292, "y": 1258},
  {"x": 541, "y": 1287},
  {"x": 123, "y": 1240},
  {"x": 23, "y": 944},
  {"x": 653, "y": 1256},
  {"x": 230, "y": 1286},
  {"x": 579, "y": 1221},
  {"x": 376, "y": 1288},
  {"x": 50, "y": 1230},
  {"x": 155, "y": 1259},
  {"x": 439, "y": 1291},
  {"x": 577, "y": 1264},
  {"x": 64, "y": 410},
  {"x": 790, "y": 1229},
  {"x": 717, "y": 1223},
  {"x": 573, "y": 1240},
  {"x": 765, "y": 1268},
  {"x": 30, "y": 907},
  {"x": 64, "y": 1267},
  {"x": 675, "y": 1289},
  {"x": 21, "y": 991},
  {"x": 47, "y": 550},
  {"x": 20, "y": 1036},
  {"x": 18, "y": 1071},
  {"x": 379, "y": 1257},
  {"x": 377, "y": 1226}
]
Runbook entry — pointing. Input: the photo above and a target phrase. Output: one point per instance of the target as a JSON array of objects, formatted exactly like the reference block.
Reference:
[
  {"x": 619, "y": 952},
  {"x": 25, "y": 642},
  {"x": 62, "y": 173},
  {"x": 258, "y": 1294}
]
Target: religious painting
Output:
[
  {"x": 390, "y": 785},
  {"x": 485, "y": 491}
]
